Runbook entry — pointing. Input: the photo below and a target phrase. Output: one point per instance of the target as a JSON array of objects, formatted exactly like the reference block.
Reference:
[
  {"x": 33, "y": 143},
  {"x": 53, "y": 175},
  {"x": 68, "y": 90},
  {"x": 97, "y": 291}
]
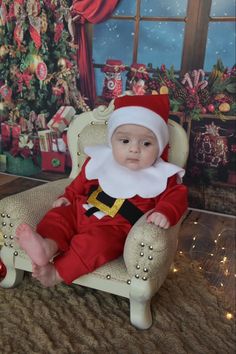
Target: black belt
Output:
[{"x": 111, "y": 206}]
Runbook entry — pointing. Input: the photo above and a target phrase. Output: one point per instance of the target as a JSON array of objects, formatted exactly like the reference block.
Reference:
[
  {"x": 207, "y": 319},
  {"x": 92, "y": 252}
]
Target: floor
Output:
[{"x": 208, "y": 239}]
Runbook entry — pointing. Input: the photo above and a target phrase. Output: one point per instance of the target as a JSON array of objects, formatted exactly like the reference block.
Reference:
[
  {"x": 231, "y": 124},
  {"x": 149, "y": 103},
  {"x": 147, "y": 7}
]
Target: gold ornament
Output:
[
  {"x": 1, "y": 25},
  {"x": 2, "y": 106},
  {"x": 4, "y": 110},
  {"x": 44, "y": 22},
  {"x": 219, "y": 96},
  {"x": 224, "y": 107},
  {"x": 61, "y": 63},
  {"x": 34, "y": 61},
  {"x": 164, "y": 90},
  {"x": 3, "y": 51}
]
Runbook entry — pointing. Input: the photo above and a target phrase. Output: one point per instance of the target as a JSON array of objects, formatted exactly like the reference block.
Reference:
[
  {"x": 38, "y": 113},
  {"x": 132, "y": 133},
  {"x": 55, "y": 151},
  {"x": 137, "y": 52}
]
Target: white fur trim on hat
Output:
[{"x": 140, "y": 116}]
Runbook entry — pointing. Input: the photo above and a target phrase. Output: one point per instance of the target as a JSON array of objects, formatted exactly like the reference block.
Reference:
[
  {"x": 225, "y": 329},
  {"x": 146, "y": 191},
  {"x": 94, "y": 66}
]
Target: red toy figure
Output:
[{"x": 112, "y": 86}]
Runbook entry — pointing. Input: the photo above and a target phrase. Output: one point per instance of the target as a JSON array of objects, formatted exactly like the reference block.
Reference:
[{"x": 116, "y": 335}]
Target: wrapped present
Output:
[
  {"x": 53, "y": 161},
  {"x": 36, "y": 121},
  {"x": 9, "y": 132},
  {"x": 45, "y": 140},
  {"x": 67, "y": 152},
  {"x": 61, "y": 119},
  {"x": 24, "y": 124},
  {"x": 22, "y": 166},
  {"x": 3, "y": 163}
]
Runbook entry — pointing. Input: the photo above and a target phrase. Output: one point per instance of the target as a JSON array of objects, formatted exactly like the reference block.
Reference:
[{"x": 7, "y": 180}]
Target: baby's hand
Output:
[
  {"x": 159, "y": 220},
  {"x": 60, "y": 202}
]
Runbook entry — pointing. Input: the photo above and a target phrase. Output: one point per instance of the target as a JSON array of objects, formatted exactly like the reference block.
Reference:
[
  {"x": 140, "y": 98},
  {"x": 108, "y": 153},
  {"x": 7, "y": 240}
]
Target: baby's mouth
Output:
[{"x": 132, "y": 159}]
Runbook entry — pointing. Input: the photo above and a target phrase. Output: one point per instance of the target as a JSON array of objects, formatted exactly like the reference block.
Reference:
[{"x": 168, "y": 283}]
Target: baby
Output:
[{"x": 118, "y": 183}]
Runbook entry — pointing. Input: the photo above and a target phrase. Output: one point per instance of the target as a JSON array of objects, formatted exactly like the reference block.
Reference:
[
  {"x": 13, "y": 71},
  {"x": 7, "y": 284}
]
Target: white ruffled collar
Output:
[{"x": 121, "y": 182}]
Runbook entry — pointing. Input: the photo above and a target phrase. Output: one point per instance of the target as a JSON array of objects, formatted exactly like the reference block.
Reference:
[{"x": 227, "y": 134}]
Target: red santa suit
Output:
[
  {"x": 88, "y": 240},
  {"x": 106, "y": 199}
]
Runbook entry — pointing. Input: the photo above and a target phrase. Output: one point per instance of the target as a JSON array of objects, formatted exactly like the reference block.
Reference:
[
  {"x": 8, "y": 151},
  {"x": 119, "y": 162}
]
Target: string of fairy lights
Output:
[{"x": 215, "y": 255}]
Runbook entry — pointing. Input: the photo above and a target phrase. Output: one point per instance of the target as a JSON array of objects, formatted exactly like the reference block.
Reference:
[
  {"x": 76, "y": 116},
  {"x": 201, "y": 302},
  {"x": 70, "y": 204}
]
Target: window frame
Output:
[{"x": 197, "y": 21}]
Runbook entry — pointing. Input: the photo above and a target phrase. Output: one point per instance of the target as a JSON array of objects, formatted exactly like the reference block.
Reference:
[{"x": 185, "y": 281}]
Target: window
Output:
[
  {"x": 188, "y": 34},
  {"x": 221, "y": 34}
]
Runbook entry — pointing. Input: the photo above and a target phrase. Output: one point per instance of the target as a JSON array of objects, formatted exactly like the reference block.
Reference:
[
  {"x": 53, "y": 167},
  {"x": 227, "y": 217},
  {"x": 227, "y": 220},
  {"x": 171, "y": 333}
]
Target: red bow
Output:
[{"x": 24, "y": 77}]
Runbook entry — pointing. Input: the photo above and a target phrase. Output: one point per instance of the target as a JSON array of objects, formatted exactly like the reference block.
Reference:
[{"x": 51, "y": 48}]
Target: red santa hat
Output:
[{"x": 150, "y": 111}]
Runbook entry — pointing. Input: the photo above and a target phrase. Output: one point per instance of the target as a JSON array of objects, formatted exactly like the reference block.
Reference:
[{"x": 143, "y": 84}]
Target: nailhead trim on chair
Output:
[
  {"x": 150, "y": 258},
  {"x": 5, "y": 236}
]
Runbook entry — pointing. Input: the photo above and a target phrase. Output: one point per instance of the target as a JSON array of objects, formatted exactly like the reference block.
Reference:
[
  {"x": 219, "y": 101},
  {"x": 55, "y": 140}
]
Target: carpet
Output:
[{"x": 188, "y": 317}]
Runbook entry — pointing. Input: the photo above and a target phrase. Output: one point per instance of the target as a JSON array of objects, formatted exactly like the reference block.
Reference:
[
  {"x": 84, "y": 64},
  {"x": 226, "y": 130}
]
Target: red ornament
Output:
[
  {"x": 41, "y": 71},
  {"x": 3, "y": 270},
  {"x": 6, "y": 92},
  {"x": 211, "y": 108}
]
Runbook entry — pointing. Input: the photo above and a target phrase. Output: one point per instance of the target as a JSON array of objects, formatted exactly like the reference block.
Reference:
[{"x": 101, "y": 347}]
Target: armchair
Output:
[{"x": 149, "y": 250}]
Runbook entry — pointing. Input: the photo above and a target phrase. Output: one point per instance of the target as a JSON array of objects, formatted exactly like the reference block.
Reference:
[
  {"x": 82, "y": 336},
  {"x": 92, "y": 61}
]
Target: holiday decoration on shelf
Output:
[
  {"x": 137, "y": 77},
  {"x": 195, "y": 94},
  {"x": 112, "y": 85},
  {"x": 210, "y": 147}
]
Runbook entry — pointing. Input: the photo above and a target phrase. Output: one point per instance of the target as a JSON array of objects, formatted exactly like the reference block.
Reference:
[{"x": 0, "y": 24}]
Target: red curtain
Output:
[{"x": 93, "y": 11}]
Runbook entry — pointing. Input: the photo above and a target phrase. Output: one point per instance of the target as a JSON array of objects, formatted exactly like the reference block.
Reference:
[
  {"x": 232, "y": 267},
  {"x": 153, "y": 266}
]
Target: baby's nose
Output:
[{"x": 134, "y": 147}]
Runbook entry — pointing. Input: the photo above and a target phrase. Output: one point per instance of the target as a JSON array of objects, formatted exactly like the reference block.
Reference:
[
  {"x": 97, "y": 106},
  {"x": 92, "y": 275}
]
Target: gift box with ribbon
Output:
[
  {"x": 10, "y": 131},
  {"x": 53, "y": 151},
  {"x": 53, "y": 161},
  {"x": 61, "y": 119}
]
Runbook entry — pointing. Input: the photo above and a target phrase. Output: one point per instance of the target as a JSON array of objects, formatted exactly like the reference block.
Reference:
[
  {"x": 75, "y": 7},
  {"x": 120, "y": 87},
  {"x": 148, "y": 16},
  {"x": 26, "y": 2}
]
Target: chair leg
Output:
[
  {"x": 141, "y": 293},
  {"x": 140, "y": 313},
  {"x": 14, "y": 276}
]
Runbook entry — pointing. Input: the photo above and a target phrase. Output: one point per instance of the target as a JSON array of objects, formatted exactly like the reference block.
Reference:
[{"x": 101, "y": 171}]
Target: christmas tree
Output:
[{"x": 38, "y": 71}]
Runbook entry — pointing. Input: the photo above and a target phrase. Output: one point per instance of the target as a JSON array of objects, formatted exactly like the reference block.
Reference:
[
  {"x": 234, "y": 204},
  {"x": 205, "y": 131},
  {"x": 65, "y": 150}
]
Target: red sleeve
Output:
[
  {"x": 173, "y": 202},
  {"x": 77, "y": 186}
]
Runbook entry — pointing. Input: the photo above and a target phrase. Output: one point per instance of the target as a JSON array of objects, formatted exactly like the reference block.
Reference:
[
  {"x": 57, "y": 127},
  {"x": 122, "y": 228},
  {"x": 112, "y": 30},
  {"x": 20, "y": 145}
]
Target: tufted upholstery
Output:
[{"x": 149, "y": 251}]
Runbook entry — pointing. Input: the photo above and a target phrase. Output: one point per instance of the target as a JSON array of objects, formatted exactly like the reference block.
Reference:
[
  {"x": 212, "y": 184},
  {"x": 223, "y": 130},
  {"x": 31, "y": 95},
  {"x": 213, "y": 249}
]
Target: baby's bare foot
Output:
[
  {"x": 34, "y": 245},
  {"x": 47, "y": 275}
]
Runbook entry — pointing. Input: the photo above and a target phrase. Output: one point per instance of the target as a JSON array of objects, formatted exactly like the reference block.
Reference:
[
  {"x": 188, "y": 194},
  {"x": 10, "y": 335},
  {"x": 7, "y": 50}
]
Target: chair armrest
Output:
[
  {"x": 149, "y": 250},
  {"x": 28, "y": 206}
]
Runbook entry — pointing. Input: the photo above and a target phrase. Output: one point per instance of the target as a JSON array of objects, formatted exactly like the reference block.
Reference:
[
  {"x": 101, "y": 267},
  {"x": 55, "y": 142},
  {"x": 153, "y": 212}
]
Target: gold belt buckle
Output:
[{"x": 111, "y": 211}]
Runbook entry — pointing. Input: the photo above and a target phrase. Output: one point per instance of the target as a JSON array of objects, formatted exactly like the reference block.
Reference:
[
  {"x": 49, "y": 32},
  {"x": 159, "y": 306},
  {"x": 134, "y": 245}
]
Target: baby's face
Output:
[{"x": 134, "y": 146}]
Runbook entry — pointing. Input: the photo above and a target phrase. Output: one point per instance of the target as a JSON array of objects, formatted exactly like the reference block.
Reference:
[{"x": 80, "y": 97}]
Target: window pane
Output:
[
  {"x": 125, "y": 8},
  {"x": 223, "y": 8},
  {"x": 167, "y": 8},
  {"x": 113, "y": 39},
  {"x": 99, "y": 77},
  {"x": 220, "y": 44},
  {"x": 161, "y": 43}
]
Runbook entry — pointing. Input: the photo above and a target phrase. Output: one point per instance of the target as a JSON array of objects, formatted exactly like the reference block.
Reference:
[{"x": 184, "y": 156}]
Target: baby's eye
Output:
[
  {"x": 146, "y": 143},
  {"x": 125, "y": 141}
]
